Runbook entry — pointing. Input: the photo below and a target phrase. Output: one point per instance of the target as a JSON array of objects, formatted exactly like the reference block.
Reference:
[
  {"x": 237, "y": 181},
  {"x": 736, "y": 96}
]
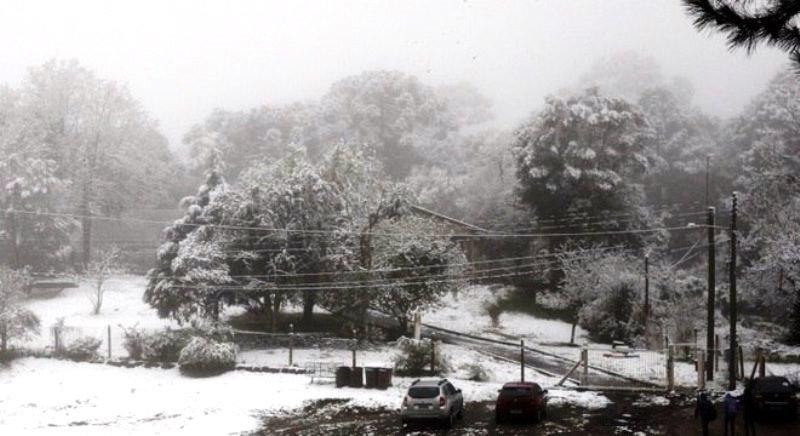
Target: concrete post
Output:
[
  {"x": 417, "y": 325},
  {"x": 701, "y": 370},
  {"x": 585, "y": 363},
  {"x": 291, "y": 343},
  {"x": 670, "y": 369}
]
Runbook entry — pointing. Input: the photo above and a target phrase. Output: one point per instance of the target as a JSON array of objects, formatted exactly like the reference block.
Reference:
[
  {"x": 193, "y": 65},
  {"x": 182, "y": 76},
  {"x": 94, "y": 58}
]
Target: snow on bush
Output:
[
  {"x": 159, "y": 346},
  {"x": 477, "y": 372},
  {"x": 414, "y": 358},
  {"x": 83, "y": 349},
  {"x": 207, "y": 357}
]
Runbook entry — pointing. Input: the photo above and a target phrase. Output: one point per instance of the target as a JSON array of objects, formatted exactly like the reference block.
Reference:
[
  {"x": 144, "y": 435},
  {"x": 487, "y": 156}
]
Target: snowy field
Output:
[
  {"x": 466, "y": 313},
  {"x": 48, "y": 396}
]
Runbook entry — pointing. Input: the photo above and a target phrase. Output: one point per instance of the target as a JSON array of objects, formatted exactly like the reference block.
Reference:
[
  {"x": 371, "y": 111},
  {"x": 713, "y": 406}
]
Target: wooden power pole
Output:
[
  {"x": 732, "y": 316},
  {"x": 710, "y": 222}
]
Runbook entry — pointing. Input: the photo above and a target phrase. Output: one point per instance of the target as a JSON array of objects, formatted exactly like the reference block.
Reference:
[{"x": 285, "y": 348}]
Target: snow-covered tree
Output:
[
  {"x": 105, "y": 144},
  {"x": 684, "y": 138},
  {"x": 30, "y": 189},
  {"x": 260, "y": 135},
  {"x": 392, "y": 111},
  {"x": 189, "y": 263},
  {"x": 16, "y": 322},
  {"x": 417, "y": 269},
  {"x": 585, "y": 155},
  {"x": 104, "y": 263},
  {"x": 768, "y": 137}
]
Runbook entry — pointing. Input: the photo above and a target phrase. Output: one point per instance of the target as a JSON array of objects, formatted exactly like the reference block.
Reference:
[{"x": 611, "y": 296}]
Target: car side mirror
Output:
[
  {"x": 544, "y": 391},
  {"x": 458, "y": 391}
]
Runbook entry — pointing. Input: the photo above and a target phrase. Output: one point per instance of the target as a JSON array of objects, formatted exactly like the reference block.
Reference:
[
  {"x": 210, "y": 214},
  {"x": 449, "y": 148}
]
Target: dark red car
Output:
[{"x": 521, "y": 400}]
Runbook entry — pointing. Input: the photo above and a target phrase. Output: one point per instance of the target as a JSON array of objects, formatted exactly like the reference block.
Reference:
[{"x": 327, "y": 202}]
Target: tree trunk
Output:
[
  {"x": 3, "y": 339},
  {"x": 276, "y": 310},
  {"x": 309, "y": 300}
]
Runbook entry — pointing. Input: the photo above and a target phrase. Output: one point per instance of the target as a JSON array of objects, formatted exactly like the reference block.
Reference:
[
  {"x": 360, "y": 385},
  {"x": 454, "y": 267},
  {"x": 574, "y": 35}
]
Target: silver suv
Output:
[{"x": 435, "y": 399}]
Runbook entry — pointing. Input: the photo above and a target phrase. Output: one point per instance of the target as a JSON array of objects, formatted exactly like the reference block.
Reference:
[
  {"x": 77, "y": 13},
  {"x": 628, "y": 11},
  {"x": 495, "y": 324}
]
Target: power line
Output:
[{"x": 346, "y": 232}]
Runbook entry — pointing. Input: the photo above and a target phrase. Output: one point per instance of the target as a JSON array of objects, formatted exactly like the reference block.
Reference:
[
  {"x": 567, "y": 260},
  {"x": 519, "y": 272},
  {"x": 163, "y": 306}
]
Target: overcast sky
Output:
[{"x": 184, "y": 58}]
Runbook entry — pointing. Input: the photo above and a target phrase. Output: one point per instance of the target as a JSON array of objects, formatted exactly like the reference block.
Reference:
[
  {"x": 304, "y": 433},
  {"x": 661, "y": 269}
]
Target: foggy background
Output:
[{"x": 185, "y": 58}]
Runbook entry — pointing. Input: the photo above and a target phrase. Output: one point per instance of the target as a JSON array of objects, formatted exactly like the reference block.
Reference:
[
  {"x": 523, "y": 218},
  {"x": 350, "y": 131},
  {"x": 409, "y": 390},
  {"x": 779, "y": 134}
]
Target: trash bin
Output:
[
  {"x": 384, "y": 378},
  {"x": 356, "y": 377},
  {"x": 342, "y": 376},
  {"x": 371, "y": 377}
]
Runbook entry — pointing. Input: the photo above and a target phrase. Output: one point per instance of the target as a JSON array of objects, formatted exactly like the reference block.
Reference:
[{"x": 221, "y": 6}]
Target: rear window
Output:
[
  {"x": 773, "y": 385},
  {"x": 519, "y": 391},
  {"x": 423, "y": 392}
]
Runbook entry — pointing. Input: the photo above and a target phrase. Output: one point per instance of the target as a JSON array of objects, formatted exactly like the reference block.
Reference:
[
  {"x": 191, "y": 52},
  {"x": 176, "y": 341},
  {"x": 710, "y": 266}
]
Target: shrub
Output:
[
  {"x": 133, "y": 340},
  {"x": 613, "y": 316},
  {"x": 414, "y": 358},
  {"x": 83, "y": 349},
  {"x": 207, "y": 357},
  {"x": 477, "y": 372},
  {"x": 159, "y": 346},
  {"x": 166, "y": 345},
  {"x": 494, "y": 311}
]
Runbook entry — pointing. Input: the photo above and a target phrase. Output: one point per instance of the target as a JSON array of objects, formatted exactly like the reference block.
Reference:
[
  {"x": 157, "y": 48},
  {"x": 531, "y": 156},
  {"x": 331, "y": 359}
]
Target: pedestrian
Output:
[
  {"x": 705, "y": 410},
  {"x": 749, "y": 412},
  {"x": 731, "y": 405}
]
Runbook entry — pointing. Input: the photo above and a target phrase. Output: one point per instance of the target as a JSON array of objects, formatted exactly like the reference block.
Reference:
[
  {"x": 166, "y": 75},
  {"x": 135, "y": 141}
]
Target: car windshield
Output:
[
  {"x": 423, "y": 392},
  {"x": 516, "y": 391},
  {"x": 777, "y": 385}
]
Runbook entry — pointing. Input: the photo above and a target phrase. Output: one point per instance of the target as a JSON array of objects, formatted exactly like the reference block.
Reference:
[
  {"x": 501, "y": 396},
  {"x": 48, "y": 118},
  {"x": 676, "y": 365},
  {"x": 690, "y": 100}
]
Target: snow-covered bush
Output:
[
  {"x": 16, "y": 322},
  {"x": 414, "y": 358},
  {"x": 83, "y": 349},
  {"x": 159, "y": 346},
  {"x": 477, "y": 372},
  {"x": 494, "y": 311},
  {"x": 207, "y": 357},
  {"x": 614, "y": 315}
]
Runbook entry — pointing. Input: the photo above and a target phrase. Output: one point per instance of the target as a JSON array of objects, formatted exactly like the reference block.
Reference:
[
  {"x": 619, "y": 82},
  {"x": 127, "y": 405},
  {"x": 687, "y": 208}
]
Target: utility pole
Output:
[
  {"x": 646, "y": 290},
  {"x": 711, "y": 294},
  {"x": 708, "y": 160},
  {"x": 732, "y": 265}
]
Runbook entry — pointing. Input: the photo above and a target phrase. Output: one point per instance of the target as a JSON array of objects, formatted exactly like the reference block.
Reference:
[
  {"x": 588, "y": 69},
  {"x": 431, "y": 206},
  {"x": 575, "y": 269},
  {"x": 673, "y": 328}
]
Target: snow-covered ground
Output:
[
  {"x": 122, "y": 307},
  {"x": 48, "y": 396},
  {"x": 466, "y": 312}
]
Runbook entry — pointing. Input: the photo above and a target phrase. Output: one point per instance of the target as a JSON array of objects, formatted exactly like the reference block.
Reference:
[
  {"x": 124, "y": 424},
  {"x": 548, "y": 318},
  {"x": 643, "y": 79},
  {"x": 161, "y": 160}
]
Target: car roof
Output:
[
  {"x": 520, "y": 385},
  {"x": 433, "y": 382}
]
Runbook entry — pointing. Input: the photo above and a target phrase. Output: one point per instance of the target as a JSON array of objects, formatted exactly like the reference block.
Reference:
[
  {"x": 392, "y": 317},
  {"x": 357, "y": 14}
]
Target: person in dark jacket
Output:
[
  {"x": 705, "y": 410},
  {"x": 731, "y": 405},
  {"x": 749, "y": 405}
]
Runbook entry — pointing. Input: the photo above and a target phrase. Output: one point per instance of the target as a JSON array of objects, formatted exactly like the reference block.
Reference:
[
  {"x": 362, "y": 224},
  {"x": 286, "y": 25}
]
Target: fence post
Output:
[
  {"x": 762, "y": 368},
  {"x": 109, "y": 342},
  {"x": 522, "y": 359},
  {"x": 355, "y": 342},
  {"x": 433, "y": 353},
  {"x": 701, "y": 369},
  {"x": 716, "y": 353},
  {"x": 291, "y": 343},
  {"x": 741, "y": 362},
  {"x": 417, "y": 325},
  {"x": 585, "y": 370},
  {"x": 670, "y": 369}
]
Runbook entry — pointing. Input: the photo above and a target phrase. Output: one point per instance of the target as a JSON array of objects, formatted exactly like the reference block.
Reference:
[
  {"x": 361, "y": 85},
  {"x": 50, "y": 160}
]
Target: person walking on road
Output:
[
  {"x": 705, "y": 410},
  {"x": 731, "y": 405}
]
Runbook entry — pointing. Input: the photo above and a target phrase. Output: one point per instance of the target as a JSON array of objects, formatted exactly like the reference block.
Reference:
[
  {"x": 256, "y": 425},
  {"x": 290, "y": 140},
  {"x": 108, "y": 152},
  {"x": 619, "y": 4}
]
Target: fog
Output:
[{"x": 184, "y": 58}]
